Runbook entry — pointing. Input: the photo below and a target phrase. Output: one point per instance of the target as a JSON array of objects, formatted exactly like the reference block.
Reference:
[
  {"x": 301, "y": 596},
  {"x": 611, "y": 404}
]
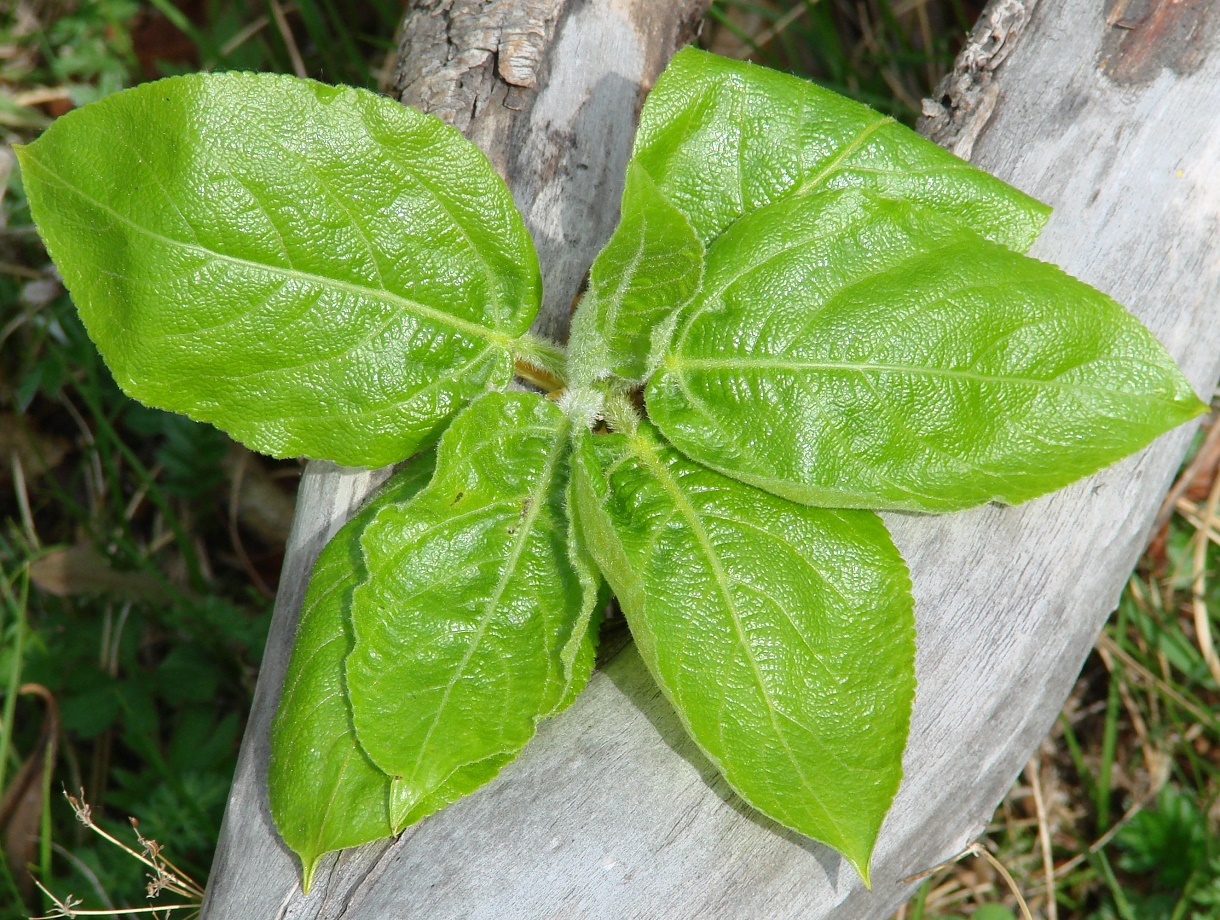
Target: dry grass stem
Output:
[
  {"x": 1205, "y": 458},
  {"x": 1203, "y": 629},
  {"x": 290, "y": 42},
  {"x": 1107, "y": 644},
  {"x": 765, "y": 38},
  {"x": 23, "y": 500},
  {"x": 1159, "y": 771},
  {"x": 1044, "y": 837},
  {"x": 1194, "y": 516},
  {"x": 978, "y": 849},
  {"x": 239, "y": 547},
  {"x": 165, "y": 875}
]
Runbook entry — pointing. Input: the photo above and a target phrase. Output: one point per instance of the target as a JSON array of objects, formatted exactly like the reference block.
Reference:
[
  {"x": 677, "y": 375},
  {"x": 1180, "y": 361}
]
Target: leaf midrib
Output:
[
  {"x": 412, "y": 306},
  {"x": 811, "y": 183},
  {"x": 647, "y": 455},
  {"x": 680, "y": 365},
  {"x": 522, "y": 536}
]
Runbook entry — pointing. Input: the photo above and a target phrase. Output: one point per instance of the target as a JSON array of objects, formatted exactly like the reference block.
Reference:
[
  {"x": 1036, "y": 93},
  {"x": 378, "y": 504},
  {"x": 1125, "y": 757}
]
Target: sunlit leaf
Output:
[
  {"x": 318, "y": 271},
  {"x": 782, "y": 634},
  {"x": 650, "y": 268},
  {"x": 851, "y": 351},
  {"x": 325, "y": 792},
  {"x": 723, "y": 138},
  {"x": 469, "y": 625}
]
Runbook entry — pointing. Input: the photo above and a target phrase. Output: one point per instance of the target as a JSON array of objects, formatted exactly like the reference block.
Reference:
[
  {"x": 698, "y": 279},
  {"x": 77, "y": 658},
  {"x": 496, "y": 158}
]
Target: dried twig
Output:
[
  {"x": 165, "y": 876},
  {"x": 1044, "y": 837},
  {"x": 1203, "y": 629}
]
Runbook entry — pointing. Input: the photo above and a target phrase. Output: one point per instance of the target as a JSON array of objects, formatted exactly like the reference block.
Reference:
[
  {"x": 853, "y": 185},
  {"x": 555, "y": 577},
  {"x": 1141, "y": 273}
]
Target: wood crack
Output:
[
  {"x": 965, "y": 99},
  {"x": 458, "y": 54}
]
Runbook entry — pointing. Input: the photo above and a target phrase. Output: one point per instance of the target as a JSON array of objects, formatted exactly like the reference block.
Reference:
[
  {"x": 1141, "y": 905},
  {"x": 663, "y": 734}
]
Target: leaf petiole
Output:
[{"x": 541, "y": 363}]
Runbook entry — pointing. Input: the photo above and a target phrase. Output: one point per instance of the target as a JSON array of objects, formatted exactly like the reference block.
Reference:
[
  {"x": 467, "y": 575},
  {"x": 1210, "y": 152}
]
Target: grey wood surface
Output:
[{"x": 1108, "y": 115}]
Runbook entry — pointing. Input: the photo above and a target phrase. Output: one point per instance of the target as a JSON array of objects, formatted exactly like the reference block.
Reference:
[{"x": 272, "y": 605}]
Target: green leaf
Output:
[
  {"x": 856, "y": 352},
  {"x": 469, "y": 626},
  {"x": 723, "y": 138},
  {"x": 325, "y": 792},
  {"x": 783, "y": 635},
  {"x": 579, "y": 652},
  {"x": 318, "y": 271},
  {"x": 650, "y": 268}
]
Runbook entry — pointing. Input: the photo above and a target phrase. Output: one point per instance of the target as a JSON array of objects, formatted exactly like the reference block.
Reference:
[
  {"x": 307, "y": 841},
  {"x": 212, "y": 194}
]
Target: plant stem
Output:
[
  {"x": 540, "y": 362},
  {"x": 538, "y": 377},
  {"x": 18, "y": 608},
  {"x": 1109, "y": 738}
]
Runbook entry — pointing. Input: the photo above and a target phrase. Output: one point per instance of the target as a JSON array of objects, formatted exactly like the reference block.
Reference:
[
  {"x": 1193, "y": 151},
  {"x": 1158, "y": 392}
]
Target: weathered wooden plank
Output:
[
  {"x": 550, "y": 90},
  {"x": 610, "y": 812}
]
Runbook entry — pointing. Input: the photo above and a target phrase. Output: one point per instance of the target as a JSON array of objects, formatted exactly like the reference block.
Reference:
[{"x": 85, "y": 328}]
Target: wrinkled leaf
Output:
[
  {"x": 470, "y": 604},
  {"x": 319, "y": 271},
  {"x": 650, "y": 268},
  {"x": 723, "y": 138},
  {"x": 855, "y": 352},
  {"x": 325, "y": 792},
  {"x": 783, "y": 635}
]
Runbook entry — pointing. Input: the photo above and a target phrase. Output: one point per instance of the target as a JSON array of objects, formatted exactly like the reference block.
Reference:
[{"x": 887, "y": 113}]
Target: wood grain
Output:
[{"x": 610, "y": 812}]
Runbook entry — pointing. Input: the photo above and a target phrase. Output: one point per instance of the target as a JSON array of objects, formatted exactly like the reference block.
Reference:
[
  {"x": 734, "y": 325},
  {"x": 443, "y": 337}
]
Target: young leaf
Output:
[
  {"x": 325, "y": 792},
  {"x": 723, "y": 138},
  {"x": 856, "y": 352},
  {"x": 783, "y": 635},
  {"x": 318, "y": 271},
  {"x": 468, "y": 628},
  {"x": 650, "y": 268}
]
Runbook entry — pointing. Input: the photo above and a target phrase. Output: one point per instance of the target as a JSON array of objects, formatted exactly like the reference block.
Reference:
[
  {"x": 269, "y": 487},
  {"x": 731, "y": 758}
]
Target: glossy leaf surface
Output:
[
  {"x": 782, "y": 634},
  {"x": 325, "y": 792},
  {"x": 467, "y": 625},
  {"x": 723, "y": 138},
  {"x": 850, "y": 351},
  {"x": 318, "y": 271},
  {"x": 650, "y": 268}
]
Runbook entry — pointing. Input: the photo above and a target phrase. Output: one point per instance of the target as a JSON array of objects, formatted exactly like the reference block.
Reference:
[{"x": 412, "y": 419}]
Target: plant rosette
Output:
[{"x": 807, "y": 314}]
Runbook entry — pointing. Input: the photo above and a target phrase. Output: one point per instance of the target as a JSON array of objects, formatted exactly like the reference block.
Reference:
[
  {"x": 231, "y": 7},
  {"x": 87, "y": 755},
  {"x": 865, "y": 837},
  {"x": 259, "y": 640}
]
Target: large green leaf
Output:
[
  {"x": 783, "y": 635},
  {"x": 723, "y": 138},
  {"x": 650, "y": 268},
  {"x": 470, "y": 624},
  {"x": 325, "y": 792},
  {"x": 318, "y": 271},
  {"x": 851, "y": 351}
]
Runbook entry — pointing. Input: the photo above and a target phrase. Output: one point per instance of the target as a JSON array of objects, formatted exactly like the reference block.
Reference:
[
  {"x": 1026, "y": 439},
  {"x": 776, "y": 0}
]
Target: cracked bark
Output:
[{"x": 963, "y": 103}]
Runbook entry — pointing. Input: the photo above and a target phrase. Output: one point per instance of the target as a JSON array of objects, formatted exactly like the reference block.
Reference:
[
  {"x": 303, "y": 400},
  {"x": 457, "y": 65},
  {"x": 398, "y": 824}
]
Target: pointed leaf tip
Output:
[
  {"x": 804, "y": 638},
  {"x": 325, "y": 794},
  {"x": 852, "y": 351}
]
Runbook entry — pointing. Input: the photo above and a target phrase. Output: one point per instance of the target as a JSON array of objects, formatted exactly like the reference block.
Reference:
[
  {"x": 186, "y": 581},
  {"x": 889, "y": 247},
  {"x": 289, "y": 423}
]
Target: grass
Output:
[
  {"x": 132, "y": 614},
  {"x": 889, "y": 54},
  {"x": 1116, "y": 814}
]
